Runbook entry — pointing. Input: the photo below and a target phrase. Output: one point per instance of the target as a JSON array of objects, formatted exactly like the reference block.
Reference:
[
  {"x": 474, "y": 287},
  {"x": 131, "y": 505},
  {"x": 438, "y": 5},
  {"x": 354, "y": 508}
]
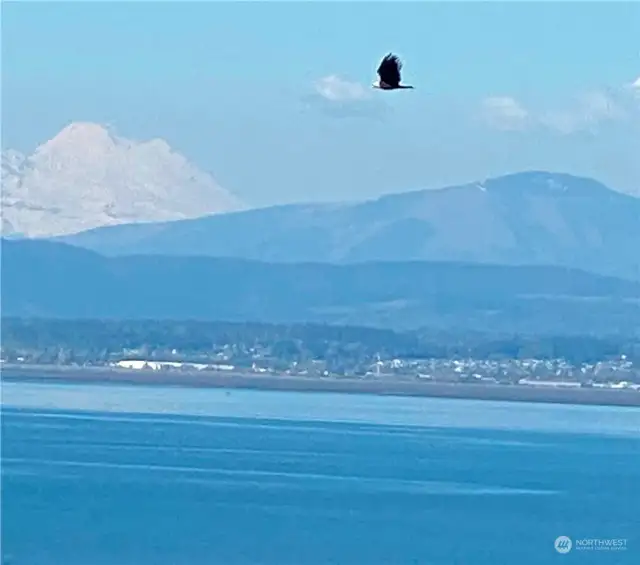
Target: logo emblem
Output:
[{"x": 563, "y": 544}]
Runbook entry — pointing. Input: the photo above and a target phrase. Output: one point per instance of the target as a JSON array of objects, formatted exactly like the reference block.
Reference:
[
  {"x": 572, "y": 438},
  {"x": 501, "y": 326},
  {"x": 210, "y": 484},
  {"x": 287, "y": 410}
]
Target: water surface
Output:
[{"x": 124, "y": 475}]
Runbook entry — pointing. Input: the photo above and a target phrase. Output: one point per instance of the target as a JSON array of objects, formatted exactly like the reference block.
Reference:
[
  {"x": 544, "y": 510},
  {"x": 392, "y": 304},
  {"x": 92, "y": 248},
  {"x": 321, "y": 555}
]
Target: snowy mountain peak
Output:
[
  {"x": 79, "y": 133},
  {"x": 545, "y": 183},
  {"x": 11, "y": 160},
  {"x": 86, "y": 177}
]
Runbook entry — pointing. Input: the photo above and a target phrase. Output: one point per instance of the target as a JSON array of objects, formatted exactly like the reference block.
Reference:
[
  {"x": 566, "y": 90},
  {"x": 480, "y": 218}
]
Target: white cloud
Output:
[
  {"x": 505, "y": 113},
  {"x": 341, "y": 98},
  {"x": 585, "y": 112},
  {"x": 337, "y": 89},
  {"x": 598, "y": 106},
  {"x": 634, "y": 87}
]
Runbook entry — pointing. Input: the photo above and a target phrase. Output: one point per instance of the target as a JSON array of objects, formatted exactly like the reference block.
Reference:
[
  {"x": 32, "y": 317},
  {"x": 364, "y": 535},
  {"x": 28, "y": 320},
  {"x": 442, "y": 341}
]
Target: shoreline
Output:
[{"x": 380, "y": 387}]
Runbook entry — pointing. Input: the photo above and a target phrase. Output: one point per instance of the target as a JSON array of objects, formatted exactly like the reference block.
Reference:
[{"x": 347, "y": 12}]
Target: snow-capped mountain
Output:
[{"x": 87, "y": 177}]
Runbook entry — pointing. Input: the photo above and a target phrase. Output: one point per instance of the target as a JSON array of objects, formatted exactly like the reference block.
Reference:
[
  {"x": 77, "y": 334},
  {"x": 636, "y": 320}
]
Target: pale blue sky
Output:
[{"x": 238, "y": 88}]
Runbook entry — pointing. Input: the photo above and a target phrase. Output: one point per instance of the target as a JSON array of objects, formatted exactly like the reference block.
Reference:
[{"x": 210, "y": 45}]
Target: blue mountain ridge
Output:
[
  {"x": 534, "y": 217},
  {"x": 55, "y": 280}
]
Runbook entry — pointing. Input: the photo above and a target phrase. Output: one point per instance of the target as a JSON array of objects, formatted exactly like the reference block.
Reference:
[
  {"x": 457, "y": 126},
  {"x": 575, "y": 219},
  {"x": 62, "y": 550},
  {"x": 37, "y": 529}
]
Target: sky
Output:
[{"x": 274, "y": 99}]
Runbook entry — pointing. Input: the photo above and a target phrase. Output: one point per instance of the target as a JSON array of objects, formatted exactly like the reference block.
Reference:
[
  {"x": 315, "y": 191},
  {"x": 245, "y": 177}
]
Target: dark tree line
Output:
[{"x": 99, "y": 340}]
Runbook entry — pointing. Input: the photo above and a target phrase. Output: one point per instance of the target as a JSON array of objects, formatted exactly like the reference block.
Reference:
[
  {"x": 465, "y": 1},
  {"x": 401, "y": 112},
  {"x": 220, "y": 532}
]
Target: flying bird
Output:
[{"x": 389, "y": 73}]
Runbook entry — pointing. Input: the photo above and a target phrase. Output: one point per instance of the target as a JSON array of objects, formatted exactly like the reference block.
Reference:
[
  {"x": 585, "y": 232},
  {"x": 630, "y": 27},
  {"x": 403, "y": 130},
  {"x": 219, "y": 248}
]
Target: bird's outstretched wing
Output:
[{"x": 389, "y": 70}]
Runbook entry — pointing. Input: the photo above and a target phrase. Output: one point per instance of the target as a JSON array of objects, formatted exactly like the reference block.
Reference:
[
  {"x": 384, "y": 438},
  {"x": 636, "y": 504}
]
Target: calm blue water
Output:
[{"x": 118, "y": 475}]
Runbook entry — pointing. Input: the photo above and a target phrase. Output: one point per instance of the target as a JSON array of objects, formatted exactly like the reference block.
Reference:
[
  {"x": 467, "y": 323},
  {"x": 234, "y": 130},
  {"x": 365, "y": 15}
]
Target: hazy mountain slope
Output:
[
  {"x": 525, "y": 218},
  {"x": 54, "y": 280},
  {"x": 86, "y": 177}
]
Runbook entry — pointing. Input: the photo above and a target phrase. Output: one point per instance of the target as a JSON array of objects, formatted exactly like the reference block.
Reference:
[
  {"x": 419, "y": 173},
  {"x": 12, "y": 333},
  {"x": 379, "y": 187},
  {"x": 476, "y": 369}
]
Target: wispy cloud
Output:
[
  {"x": 342, "y": 98},
  {"x": 585, "y": 112},
  {"x": 505, "y": 113},
  {"x": 337, "y": 89}
]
